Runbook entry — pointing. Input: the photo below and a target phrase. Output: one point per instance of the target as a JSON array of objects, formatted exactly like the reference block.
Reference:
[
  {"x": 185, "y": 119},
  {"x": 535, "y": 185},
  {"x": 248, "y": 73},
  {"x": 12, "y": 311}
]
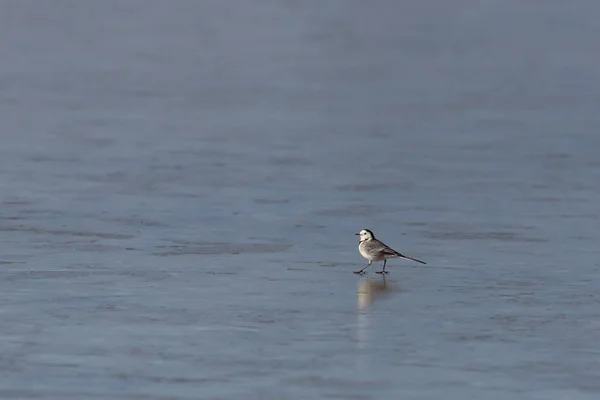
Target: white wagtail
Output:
[{"x": 374, "y": 250}]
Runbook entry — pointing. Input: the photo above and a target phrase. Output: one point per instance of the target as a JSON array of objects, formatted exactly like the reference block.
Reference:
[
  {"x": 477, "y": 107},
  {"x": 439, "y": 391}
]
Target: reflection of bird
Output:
[
  {"x": 374, "y": 250},
  {"x": 369, "y": 290}
]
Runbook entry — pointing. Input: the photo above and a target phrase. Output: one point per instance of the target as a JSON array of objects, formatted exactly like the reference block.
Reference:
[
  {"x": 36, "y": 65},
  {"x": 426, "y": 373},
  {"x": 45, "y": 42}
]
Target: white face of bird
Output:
[{"x": 365, "y": 234}]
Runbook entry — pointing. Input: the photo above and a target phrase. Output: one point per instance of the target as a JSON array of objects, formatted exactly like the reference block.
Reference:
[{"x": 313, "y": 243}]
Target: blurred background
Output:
[{"x": 181, "y": 181}]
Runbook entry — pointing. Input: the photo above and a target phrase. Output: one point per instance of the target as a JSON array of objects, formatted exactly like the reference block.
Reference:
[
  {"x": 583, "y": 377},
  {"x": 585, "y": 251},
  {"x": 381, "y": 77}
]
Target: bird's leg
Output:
[
  {"x": 383, "y": 271},
  {"x": 362, "y": 270}
]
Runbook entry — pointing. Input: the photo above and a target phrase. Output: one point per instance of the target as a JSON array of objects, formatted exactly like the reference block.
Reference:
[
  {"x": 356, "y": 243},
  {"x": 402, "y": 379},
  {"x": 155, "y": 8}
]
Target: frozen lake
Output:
[{"x": 181, "y": 182}]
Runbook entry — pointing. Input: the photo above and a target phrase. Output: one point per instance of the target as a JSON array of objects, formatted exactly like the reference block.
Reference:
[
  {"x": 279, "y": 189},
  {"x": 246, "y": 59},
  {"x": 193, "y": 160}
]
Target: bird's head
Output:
[{"x": 365, "y": 234}]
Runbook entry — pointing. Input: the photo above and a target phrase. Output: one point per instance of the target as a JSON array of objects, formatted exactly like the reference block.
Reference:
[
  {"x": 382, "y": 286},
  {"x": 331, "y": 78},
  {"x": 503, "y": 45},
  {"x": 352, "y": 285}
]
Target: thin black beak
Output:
[{"x": 357, "y": 234}]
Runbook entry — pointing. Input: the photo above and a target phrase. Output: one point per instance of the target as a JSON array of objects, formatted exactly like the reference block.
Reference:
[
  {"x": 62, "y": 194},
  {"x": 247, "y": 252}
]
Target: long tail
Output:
[{"x": 410, "y": 258}]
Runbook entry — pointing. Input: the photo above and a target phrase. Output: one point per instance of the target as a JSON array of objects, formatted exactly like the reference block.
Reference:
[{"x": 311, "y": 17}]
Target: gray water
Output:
[{"x": 181, "y": 182}]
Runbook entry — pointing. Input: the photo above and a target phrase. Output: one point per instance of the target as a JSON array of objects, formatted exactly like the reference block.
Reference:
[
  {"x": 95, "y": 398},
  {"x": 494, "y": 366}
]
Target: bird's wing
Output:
[{"x": 387, "y": 250}]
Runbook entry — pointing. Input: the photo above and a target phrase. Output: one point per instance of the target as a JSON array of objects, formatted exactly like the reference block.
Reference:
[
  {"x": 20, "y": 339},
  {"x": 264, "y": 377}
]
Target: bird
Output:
[{"x": 375, "y": 250}]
